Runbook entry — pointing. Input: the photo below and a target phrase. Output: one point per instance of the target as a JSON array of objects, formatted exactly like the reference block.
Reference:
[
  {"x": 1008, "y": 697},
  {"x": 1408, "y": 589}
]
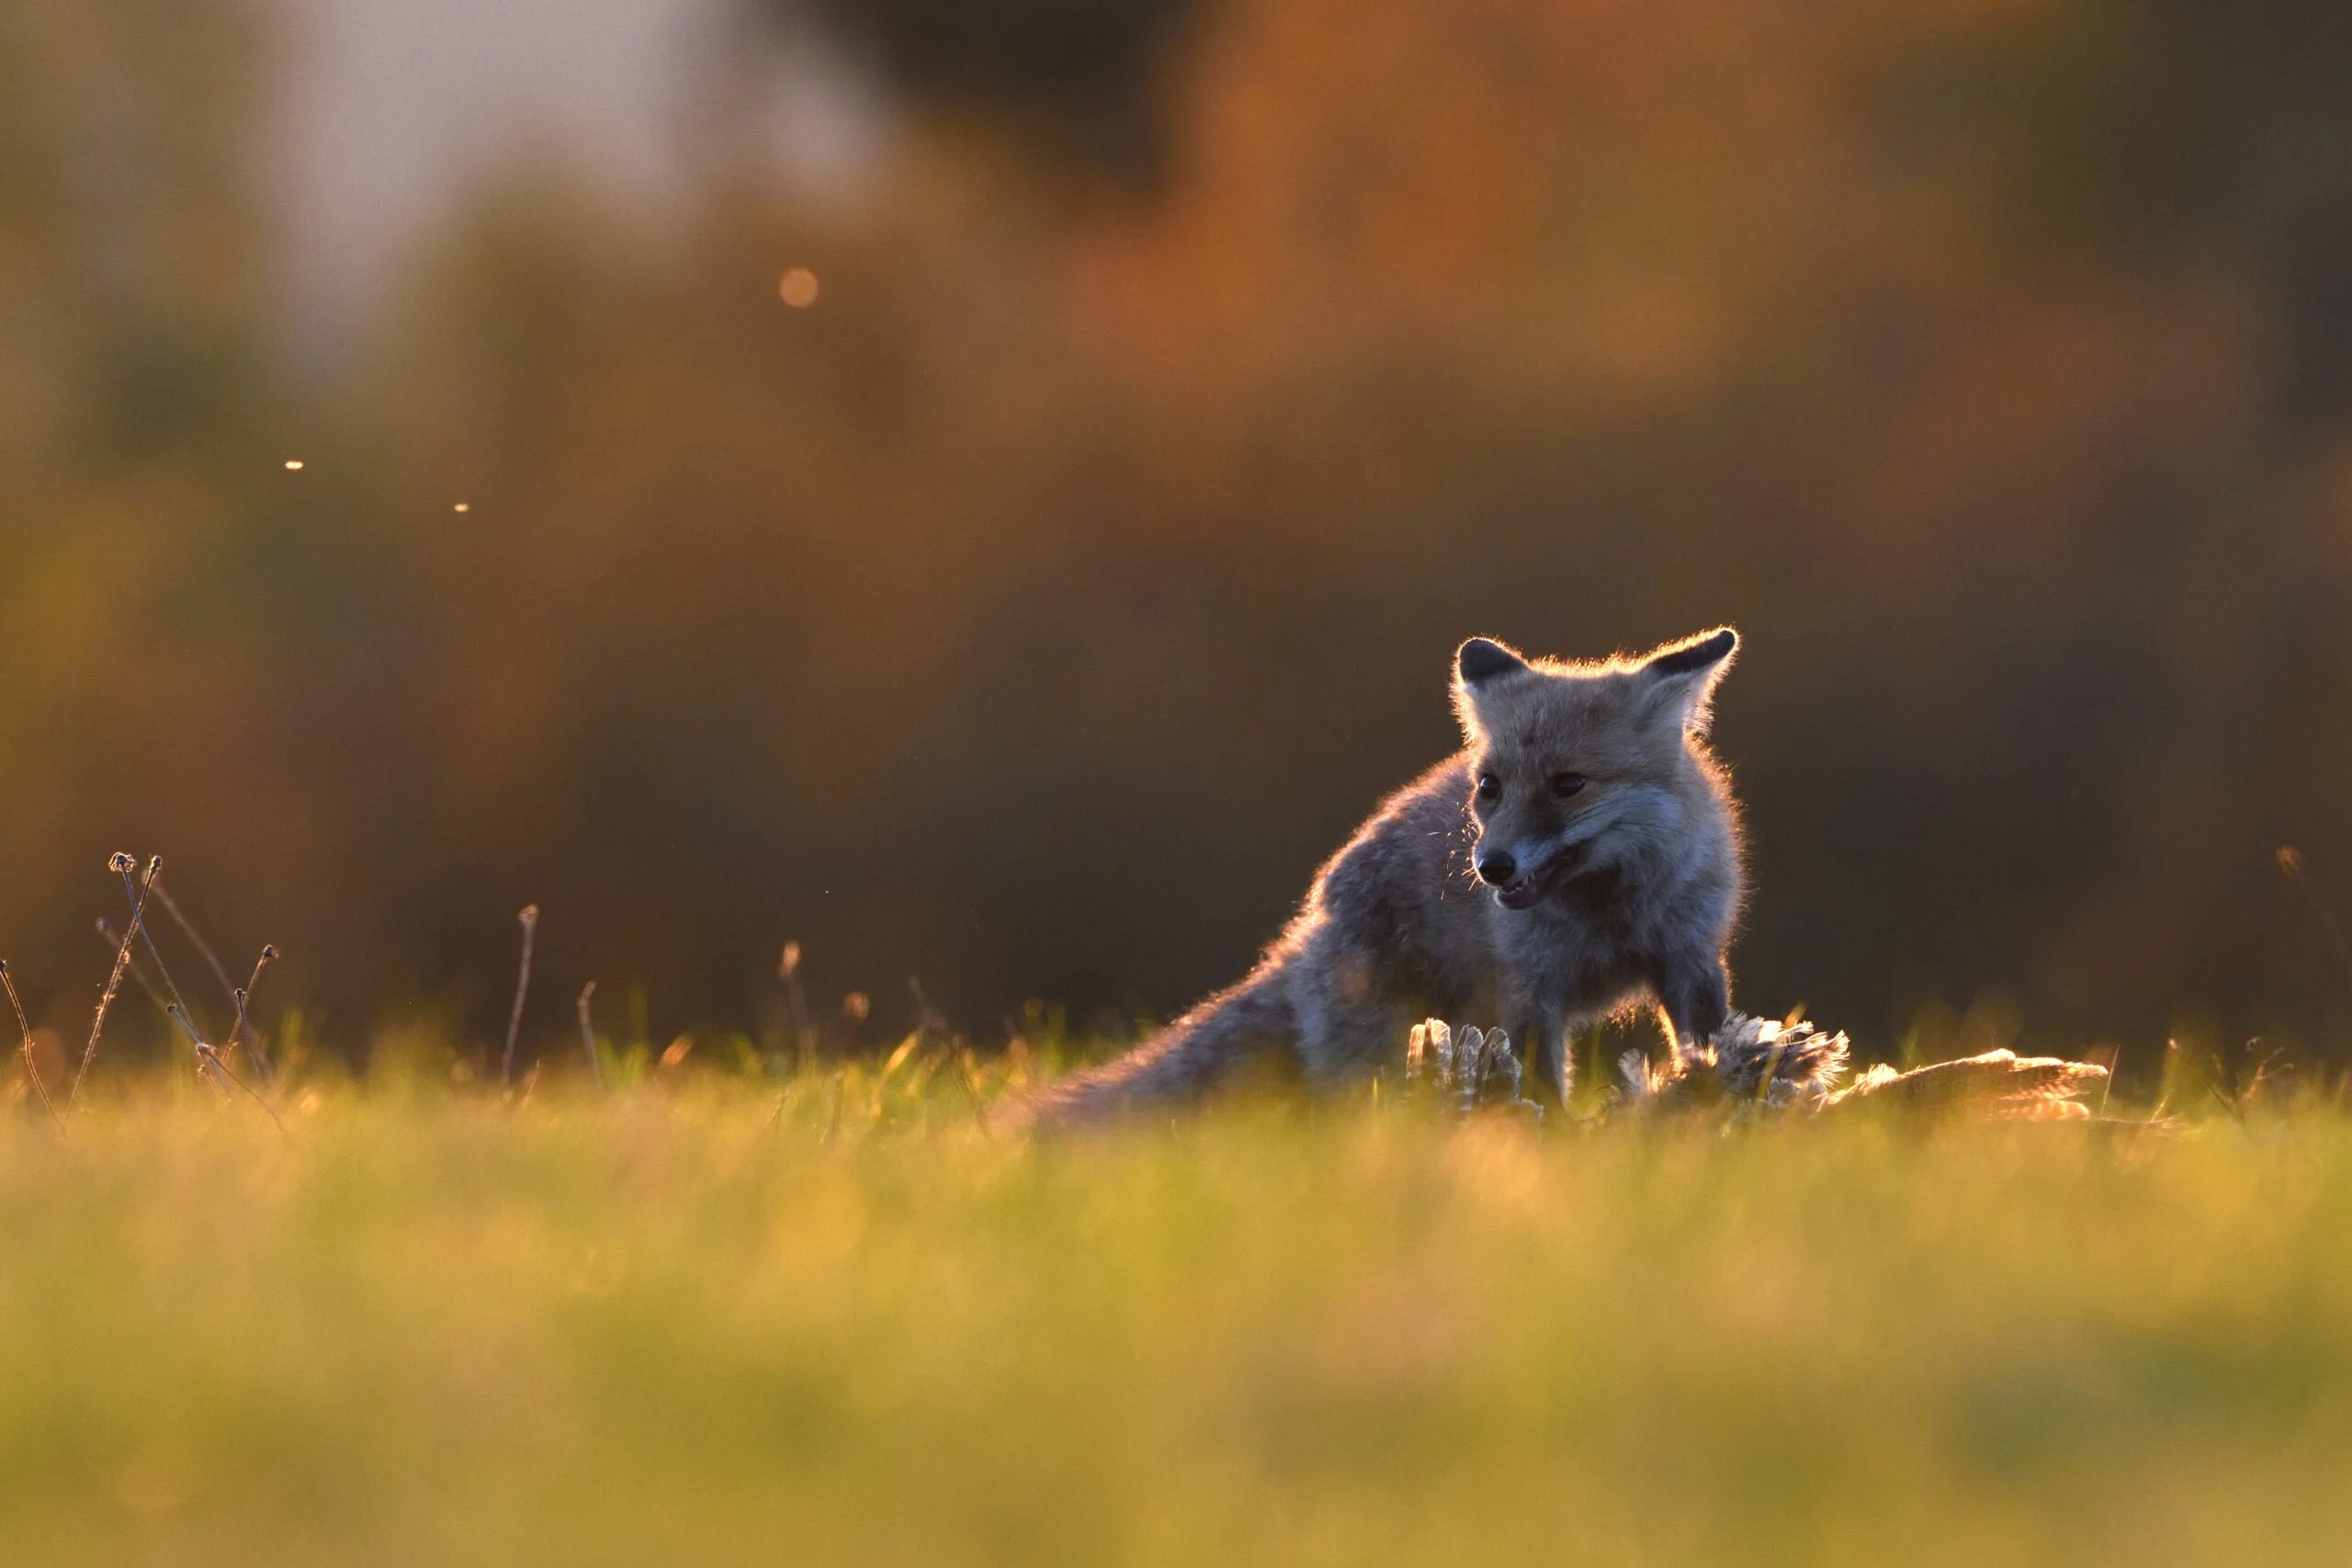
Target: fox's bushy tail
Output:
[{"x": 1181, "y": 1063}]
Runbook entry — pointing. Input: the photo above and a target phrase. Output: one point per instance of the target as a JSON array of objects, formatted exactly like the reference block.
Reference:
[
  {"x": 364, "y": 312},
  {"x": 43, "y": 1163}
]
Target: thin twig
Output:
[
  {"x": 2165, "y": 1085},
  {"x": 107, "y": 935},
  {"x": 118, "y": 863},
  {"x": 804, "y": 1038},
  {"x": 963, "y": 1065},
  {"x": 176, "y": 1009},
  {"x": 25, "y": 1031},
  {"x": 213, "y": 1056},
  {"x": 147, "y": 934},
  {"x": 207, "y": 1060},
  {"x": 530, "y": 919},
  {"x": 196, "y": 939},
  {"x": 243, "y": 996},
  {"x": 2291, "y": 861},
  {"x": 928, "y": 1020},
  {"x": 588, "y": 1037}
]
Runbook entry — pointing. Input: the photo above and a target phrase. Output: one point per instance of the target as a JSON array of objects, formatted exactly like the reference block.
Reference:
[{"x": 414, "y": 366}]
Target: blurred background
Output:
[{"x": 988, "y": 488}]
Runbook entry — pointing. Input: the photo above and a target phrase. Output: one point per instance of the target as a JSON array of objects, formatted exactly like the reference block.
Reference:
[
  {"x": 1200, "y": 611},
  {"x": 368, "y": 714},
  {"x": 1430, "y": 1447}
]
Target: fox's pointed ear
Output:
[
  {"x": 1479, "y": 660},
  {"x": 1479, "y": 666},
  {"x": 1680, "y": 676}
]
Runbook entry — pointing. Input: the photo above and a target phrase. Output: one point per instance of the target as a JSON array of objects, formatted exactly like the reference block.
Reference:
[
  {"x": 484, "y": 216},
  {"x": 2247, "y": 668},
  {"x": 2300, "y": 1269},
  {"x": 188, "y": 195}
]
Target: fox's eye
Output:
[
  {"x": 1567, "y": 784},
  {"x": 1489, "y": 786}
]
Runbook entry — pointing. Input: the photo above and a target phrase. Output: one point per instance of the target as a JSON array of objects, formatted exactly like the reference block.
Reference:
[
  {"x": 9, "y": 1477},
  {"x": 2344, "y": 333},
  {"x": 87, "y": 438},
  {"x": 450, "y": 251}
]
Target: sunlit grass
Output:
[{"x": 689, "y": 1323}]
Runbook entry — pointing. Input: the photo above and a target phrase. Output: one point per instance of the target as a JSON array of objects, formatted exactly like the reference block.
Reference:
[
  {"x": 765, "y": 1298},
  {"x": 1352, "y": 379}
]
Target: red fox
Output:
[{"x": 1586, "y": 807}]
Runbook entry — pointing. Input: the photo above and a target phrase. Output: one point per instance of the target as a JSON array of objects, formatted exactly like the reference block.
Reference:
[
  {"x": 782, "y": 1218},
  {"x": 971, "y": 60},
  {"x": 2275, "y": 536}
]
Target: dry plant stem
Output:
[
  {"x": 804, "y": 1038},
  {"x": 2164, "y": 1087},
  {"x": 243, "y": 999},
  {"x": 196, "y": 940},
  {"x": 927, "y": 1020},
  {"x": 114, "y": 980},
  {"x": 25, "y": 1033},
  {"x": 207, "y": 1060},
  {"x": 963, "y": 1067},
  {"x": 530, "y": 920},
  {"x": 147, "y": 935},
  {"x": 107, "y": 935},
  {"x": 2291, "y": 861},
  {"x": 213, "y": 1058},
  {"x": 588, "y": 1037}
]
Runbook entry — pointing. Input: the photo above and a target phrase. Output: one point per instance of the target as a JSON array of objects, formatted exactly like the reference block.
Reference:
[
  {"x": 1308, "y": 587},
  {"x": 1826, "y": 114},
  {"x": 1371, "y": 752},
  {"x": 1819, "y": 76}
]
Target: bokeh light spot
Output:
[
  {"x": 799, "y": 289},
  {"x": 293, "y": 465}
]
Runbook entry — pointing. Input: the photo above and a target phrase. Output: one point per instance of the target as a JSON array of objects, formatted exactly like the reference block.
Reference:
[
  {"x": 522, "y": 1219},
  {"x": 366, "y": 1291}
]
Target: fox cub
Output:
[{"x": 1580, "y": 853}]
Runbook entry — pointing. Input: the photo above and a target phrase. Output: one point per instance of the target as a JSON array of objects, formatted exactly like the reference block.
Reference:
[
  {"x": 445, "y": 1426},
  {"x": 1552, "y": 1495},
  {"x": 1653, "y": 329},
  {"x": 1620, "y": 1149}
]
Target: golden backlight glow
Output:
[{"x": 1041, "y": 616}]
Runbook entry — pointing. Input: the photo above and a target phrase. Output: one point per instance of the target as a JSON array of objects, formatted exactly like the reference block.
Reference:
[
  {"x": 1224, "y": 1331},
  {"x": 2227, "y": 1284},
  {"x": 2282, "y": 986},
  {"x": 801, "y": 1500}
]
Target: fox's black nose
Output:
[{"x": 1498, "y": 868}]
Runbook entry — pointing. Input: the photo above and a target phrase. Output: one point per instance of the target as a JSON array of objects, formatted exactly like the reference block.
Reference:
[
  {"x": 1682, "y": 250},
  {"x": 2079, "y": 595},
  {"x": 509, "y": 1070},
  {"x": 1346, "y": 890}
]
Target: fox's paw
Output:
[{"x": 1466, "y": 1070}]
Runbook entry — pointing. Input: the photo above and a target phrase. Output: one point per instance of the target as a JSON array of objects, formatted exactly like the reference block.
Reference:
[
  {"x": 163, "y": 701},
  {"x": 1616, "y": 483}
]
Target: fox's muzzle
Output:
[
  {"x": 1519, "y": 880},
  {"x": 1521, "y": 877}
]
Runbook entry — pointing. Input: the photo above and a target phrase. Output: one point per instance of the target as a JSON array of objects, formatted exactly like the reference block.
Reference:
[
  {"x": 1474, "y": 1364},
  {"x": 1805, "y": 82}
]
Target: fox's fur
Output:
[{"x": 1580, "y": 853}]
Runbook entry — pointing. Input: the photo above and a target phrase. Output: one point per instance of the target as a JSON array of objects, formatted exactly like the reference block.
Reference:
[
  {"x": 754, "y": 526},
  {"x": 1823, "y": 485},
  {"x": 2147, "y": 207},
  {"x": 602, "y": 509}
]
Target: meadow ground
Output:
[{"x": 675, "y": 1325}]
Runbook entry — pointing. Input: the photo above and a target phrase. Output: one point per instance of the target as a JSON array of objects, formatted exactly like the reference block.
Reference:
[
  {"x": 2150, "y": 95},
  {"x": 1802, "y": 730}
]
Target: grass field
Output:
[{"x": 678, "y": 1326}]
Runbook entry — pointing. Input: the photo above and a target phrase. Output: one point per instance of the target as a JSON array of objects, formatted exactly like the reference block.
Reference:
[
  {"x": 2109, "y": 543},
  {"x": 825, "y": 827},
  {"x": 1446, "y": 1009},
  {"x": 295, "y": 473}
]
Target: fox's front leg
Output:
[
  {"x": 1695, "y": 996},
  {"x": 1544, "y": 1036}
]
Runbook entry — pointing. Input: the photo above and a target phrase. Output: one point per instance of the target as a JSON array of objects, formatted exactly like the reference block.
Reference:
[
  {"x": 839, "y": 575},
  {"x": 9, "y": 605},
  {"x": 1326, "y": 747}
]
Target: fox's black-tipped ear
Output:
[
  {"x": 1683, "y": 676},
  {"x": 1478, "y": 666},
  {"x": 1479, "y": 660},
  {"x": 1693, "y": 654}
]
